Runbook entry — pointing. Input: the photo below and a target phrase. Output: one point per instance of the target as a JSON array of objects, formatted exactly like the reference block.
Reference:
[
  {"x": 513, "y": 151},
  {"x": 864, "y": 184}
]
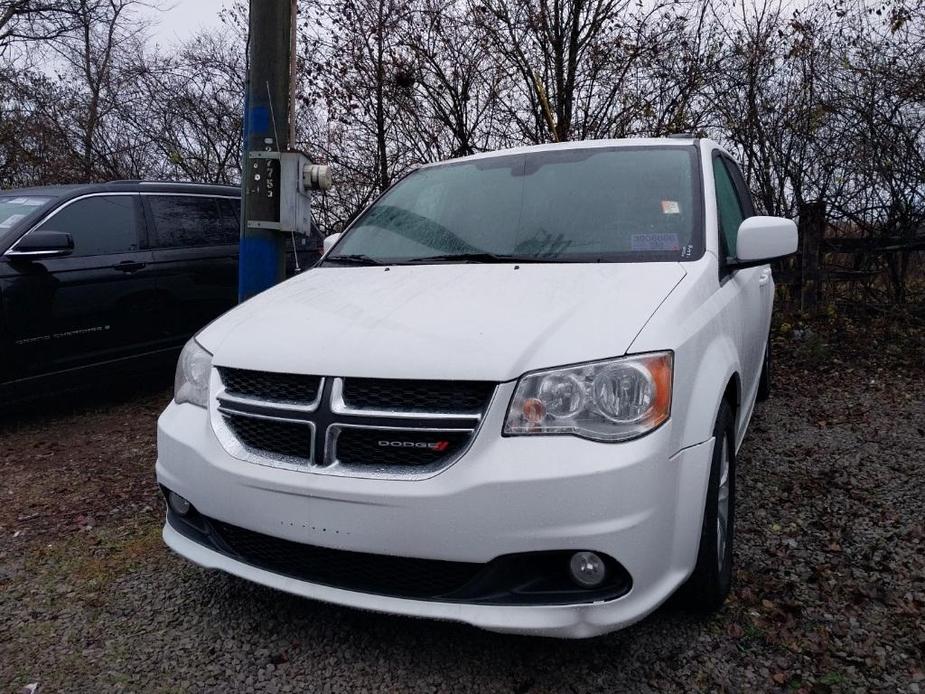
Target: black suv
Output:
[{"x": 113, "y": 275}]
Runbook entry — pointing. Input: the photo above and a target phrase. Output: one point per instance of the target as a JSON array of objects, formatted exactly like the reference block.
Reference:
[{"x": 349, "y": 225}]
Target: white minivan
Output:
[{"x": 509, "y": 395}]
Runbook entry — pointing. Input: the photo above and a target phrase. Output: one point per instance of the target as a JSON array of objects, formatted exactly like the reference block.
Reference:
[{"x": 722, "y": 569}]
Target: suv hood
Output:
[{"x": 450, "y": 321}]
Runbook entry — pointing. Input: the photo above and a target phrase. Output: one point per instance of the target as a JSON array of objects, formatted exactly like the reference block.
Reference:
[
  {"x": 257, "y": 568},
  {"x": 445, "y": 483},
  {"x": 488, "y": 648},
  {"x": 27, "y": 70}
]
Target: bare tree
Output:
[
  {"x": 881, "y": 116},
  {"x": 99, "y": 75},
  {"x": 354, "y": 71},
  {"x": 570, "y": 59},
  {"x": 25, "y": 21},
  {"x": 79, "y": 73},
  {"x": 451, "y": 104},
  {"x": 195, "y": 129}
]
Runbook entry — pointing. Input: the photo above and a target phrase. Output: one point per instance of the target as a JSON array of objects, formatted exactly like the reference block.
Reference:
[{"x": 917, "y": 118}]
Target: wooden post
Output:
[{"x": 812, "y": 230}]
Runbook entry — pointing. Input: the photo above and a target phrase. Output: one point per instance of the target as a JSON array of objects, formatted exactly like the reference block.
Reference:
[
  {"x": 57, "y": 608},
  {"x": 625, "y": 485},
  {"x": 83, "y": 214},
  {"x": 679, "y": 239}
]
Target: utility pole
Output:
[{"x": 269, "y": 114}]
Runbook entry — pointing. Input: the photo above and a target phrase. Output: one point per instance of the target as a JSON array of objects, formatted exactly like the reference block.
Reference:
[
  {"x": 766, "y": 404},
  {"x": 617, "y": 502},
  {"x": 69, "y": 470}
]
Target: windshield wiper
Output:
[
  {"x": 474, "y": 257},
  {"x": 480, "y": 257},
  {"x": 353, "y": 259}
]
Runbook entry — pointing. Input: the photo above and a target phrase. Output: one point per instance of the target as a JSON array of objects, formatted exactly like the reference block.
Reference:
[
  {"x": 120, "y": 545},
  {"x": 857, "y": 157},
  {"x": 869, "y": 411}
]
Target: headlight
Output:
[
  {"x": 611, "y": 400},
  {"x": 191, "y": 383}
]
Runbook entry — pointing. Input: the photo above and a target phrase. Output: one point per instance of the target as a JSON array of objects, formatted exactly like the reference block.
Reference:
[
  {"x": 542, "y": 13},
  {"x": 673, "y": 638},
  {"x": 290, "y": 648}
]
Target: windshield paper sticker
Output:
[
  {"x": 655, "y": 242},
  {"x": 28, "y": 202},
  {"x": 670, "y": 207},
  {"x": 11, "y": 220}
]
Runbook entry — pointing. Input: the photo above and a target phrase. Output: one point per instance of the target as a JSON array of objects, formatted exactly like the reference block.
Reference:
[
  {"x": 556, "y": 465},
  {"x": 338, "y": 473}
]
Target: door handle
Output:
[
  {"x": 129, "y": 266},
  {"x": 764, "y": 278}
]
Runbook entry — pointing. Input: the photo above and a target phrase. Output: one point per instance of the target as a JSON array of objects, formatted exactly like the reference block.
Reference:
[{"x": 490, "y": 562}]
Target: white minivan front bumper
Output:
[{"x": 635, "y": 501}]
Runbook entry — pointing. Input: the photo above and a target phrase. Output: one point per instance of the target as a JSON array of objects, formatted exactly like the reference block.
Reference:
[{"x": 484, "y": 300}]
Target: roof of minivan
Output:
[{"x": 579, "y": 144}]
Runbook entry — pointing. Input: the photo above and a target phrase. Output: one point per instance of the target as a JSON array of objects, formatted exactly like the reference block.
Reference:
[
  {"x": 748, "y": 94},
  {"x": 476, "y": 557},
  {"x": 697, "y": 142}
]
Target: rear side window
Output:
[
  {"x": 100, "y": 225},
  {"x": 231, "y": 218},
  {"x": 183, "y": 221},
  {"x": 727, "y": 203}
]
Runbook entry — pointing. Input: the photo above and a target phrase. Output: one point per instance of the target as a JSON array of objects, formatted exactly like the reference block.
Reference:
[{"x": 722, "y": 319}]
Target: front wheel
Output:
[{"x": 707, "y": 588}]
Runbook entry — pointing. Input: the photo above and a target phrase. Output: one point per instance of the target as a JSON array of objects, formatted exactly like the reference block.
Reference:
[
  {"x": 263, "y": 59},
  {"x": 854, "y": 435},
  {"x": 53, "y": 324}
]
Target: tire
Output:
[
  {"x": 764, "y": 382},
  {"x": 708, "y": 587}
]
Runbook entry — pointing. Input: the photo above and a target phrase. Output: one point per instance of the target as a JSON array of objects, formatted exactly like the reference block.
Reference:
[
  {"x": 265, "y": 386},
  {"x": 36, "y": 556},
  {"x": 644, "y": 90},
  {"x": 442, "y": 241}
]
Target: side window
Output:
[
  {"x": 100, "y": 225},
  {"x": 745, "y": 195},
  {"x": 727, "y": 204},
  {"x": 231, "y": 219},
  {"x": 183, "y": 221}
]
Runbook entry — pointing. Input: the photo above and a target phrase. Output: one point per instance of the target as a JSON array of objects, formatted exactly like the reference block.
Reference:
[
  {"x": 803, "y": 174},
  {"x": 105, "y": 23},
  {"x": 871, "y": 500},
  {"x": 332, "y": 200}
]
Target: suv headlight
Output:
[
  {"x": 191, "y": 384},
  {"x": 612, "y": 400}
]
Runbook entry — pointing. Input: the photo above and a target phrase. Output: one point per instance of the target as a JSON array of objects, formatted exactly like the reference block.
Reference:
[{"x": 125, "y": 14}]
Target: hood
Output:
[{"x": 451, "y": 321}]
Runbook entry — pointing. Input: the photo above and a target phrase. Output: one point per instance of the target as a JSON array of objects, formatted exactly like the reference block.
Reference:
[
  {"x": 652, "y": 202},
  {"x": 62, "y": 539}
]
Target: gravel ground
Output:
[{"x": 829, "y": 595}]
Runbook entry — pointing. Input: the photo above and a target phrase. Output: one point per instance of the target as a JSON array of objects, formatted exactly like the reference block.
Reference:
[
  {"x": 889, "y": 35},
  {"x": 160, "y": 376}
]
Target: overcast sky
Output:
[{"x": 185, "y": 18}]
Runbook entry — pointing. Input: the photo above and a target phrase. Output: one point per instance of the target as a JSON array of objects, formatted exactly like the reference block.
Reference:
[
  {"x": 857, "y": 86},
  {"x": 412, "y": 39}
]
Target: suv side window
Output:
[
  {"x": 184, "y": 221},
  {"x": 231, "y": 219},
  {"x": 728, "y": 207},
  {"x": 100, "y": 225}
]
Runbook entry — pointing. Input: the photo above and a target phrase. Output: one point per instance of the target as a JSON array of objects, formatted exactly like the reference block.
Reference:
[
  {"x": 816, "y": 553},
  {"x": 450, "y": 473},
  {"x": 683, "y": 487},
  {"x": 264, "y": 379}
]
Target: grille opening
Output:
[
  {"x": 417, "y": 396},
  {"x": 383, "y": 448},
  {"x": 537, "y": 578},
  {"x": 266, "y": 385},
  {"x": 291, "y": 439},
  {"x": 379, "y": 573},
  {"x": 393, "y": 423}
]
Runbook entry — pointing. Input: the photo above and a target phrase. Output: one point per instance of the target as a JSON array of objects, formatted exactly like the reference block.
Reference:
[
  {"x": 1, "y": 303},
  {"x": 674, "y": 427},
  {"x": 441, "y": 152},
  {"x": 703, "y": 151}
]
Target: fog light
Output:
[
  {"x": 179, "y": 505},
  {"x": 587, "y": 569}
]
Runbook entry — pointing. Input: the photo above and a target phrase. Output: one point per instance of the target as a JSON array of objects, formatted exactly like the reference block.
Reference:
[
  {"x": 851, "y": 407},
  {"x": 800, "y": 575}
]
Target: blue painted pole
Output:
[{"x": 262, "y": 261}]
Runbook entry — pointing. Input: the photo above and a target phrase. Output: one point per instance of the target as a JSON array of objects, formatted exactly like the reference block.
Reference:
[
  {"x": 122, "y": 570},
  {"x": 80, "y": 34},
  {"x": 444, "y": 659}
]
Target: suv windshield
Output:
[{"x": 623, "y": 204}]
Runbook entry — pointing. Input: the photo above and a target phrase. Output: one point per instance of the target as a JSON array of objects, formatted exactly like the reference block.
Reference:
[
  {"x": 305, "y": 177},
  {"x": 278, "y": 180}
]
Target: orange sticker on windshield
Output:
[{"x": 670, "y": 207}]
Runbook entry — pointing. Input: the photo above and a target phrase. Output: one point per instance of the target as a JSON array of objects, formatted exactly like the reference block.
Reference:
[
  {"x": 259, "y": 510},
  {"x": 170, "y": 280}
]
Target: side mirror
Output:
[
  {"x": 329, "y": 242},
  {"x": 42, "y": 244},
  {"x": 763, "y": 239}
]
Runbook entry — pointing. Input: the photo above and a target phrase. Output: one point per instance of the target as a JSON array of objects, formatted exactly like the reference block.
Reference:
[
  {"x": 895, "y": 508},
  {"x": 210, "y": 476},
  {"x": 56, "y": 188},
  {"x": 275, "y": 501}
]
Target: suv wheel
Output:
[
  {"x": 764, "y": 382},
  {"x": 707, "y": 588}
]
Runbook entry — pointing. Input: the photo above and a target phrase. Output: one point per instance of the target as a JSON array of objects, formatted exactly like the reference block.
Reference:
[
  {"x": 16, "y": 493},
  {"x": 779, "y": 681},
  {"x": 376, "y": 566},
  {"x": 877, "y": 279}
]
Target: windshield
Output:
[
  {"x": 15, "y": 208},
  {"x": 625, "y": 204}
]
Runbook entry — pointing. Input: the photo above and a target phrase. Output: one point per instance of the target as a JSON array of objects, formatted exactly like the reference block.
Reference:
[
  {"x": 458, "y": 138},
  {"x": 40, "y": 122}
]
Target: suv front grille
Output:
[{"x": 364, "y": 427}]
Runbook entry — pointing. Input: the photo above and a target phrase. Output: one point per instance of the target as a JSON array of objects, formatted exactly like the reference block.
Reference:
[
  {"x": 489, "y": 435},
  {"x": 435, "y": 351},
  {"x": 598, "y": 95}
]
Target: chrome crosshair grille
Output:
[{"x": 359, "y": 427}]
